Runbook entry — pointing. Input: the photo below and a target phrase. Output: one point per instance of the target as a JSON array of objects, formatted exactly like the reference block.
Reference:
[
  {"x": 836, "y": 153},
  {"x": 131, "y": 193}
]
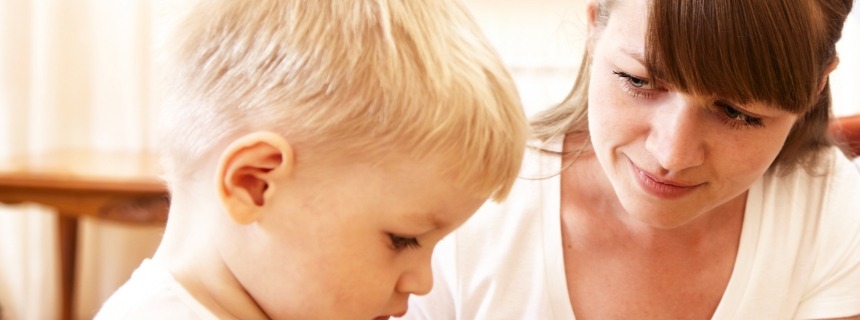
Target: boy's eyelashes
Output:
[{"x": 399, "y": 243}]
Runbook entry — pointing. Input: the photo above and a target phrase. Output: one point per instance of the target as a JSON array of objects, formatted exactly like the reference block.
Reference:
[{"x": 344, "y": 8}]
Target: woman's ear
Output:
[
  {"x": 826, "y": 74},
  {"x": 249, "y": 171},
  {"x": 591, "y": 12}
]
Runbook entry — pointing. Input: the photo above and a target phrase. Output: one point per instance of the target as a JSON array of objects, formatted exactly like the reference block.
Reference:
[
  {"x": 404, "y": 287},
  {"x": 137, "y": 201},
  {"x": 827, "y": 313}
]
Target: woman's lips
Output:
[
  {"x": 397, "y": 315},
  {"x": 662, "y": 188}
]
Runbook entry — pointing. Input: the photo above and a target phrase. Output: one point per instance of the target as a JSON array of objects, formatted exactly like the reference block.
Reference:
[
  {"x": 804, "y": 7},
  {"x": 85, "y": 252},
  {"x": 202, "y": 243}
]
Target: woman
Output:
[{"x": 688, "y": 175}]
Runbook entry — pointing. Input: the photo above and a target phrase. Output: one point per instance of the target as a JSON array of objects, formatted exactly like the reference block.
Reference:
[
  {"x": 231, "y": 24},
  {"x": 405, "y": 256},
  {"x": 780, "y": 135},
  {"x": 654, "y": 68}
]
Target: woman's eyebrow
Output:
[{"x": 636, "y": 54}]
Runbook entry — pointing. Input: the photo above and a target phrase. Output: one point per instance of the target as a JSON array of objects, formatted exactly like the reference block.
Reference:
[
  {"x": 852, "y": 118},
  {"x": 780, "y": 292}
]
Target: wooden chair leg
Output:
[{"x": 68, "y": 242}]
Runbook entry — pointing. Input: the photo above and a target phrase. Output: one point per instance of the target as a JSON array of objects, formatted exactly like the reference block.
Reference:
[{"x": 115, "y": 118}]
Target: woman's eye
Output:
[
  {"x": 635, "y": 82},
  {"x": 737, "y": 118},
  {"x": 399, "y": 243},
  {"x": 635, "y": 86},
  {"x": 733, "y": 113}
]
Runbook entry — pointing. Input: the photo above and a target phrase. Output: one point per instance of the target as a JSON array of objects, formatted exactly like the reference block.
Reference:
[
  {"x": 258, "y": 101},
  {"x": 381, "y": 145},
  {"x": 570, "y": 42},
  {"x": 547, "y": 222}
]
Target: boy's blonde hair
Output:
[{"x": 369, "y": 78}]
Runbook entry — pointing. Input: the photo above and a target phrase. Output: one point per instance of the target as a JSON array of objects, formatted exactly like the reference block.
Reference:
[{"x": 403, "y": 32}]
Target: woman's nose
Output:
[{"x": 676, "y": 139}]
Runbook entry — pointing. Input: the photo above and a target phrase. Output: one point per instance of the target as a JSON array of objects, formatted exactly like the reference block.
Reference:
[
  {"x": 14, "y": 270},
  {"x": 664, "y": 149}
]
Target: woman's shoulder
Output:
[
  {"x": 833, "y": 185},
  {"x": 815, "y": 214},
  {"x": 800, "y": 243}
]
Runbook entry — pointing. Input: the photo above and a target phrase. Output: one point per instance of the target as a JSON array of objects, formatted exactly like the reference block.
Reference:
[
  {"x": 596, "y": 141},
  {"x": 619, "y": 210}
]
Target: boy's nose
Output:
[
  {"x": 417, "y": 280},
  {"x": 675, "y": 139}
]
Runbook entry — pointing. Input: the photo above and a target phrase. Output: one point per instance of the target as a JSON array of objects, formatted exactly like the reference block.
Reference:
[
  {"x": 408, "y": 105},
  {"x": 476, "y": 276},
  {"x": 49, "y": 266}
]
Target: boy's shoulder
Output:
[{"x": 153, "y": 293}]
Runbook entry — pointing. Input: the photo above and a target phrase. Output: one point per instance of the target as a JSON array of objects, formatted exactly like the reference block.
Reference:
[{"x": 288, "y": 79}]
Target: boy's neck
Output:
[{"x": 194, "y": 262}]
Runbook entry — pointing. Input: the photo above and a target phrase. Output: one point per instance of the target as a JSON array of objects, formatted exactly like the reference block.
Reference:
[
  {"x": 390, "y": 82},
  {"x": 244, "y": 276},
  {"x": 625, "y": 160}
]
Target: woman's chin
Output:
[{"x": 659, "y": 216}]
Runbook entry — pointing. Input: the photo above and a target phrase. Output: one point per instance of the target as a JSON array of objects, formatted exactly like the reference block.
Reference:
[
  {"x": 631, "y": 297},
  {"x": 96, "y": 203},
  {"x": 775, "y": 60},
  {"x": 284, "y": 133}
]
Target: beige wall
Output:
[{"x": 541, "y": 41}]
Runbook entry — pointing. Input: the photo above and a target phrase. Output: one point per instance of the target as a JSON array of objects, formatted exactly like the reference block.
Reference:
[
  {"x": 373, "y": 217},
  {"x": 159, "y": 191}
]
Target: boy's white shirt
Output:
[
  {"x": 152, "y": 293},
  {"x": 506, "y": 262}
]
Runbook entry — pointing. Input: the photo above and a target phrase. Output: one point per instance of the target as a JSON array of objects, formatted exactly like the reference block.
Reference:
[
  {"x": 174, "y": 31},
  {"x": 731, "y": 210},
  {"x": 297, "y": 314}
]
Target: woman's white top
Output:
[{"x": 798, "y": 257}]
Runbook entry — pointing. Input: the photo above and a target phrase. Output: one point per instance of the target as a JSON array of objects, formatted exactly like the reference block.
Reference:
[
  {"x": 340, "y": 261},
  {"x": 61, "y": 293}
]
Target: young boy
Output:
[{"x": 316, "y": 151}]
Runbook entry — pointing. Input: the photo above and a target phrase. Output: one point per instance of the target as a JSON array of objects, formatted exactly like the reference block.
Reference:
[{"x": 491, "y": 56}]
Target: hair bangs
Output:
[
  {"x": 741, "y": 51},
  {"x": 416, "y": 93},
  {"x": 480, "y": 142},
  {"x": 381, "y": 78},
  {"x": 465, "y": 117}
]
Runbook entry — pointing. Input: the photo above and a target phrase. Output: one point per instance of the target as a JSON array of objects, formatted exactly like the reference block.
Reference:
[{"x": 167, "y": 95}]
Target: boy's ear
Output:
[{"x": 248, "y": 173}]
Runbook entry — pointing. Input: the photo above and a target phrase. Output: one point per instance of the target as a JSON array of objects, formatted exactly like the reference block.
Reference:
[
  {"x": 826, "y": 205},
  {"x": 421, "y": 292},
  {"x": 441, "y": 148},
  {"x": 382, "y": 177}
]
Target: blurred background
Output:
[{"x": 82, "y": 74}]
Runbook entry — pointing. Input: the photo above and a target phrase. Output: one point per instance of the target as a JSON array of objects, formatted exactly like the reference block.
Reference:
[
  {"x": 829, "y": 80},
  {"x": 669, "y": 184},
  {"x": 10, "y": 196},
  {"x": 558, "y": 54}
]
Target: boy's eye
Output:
[{"x": 399, "y": 243}]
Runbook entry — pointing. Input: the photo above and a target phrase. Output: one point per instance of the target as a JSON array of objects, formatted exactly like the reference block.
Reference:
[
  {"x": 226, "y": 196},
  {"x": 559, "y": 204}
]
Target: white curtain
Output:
[
  {"x": 73, "y": 74},
  {"x": 80, "y": 74}
]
